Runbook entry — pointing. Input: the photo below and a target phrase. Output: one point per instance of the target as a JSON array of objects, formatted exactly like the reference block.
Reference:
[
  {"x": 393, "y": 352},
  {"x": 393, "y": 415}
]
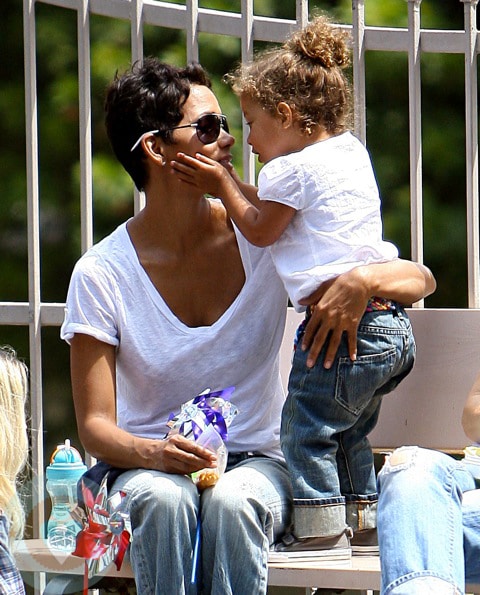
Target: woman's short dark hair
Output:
[{"x": 149, "y": 96}]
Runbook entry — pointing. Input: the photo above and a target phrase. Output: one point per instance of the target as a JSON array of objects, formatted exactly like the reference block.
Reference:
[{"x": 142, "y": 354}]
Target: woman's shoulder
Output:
[
  {"x": 106, "y": 252},
  {"x": 223, "y": 229}
]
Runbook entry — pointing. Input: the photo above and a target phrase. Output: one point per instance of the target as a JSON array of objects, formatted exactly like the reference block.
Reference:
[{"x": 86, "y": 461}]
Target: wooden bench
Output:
[{"x": 424, "y": 410}]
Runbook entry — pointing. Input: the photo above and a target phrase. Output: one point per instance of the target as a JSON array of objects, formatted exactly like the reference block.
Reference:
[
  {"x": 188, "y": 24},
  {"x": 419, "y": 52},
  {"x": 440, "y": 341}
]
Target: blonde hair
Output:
[
  {"x": 13, "y": 436},
  {"x": 307, "y": 73}
]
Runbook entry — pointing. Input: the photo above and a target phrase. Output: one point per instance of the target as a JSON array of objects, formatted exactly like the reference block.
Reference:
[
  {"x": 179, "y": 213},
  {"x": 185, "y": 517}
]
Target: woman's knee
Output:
[
  {"x": 154, "y": 498},
  {"x": 222, "y": 501}
]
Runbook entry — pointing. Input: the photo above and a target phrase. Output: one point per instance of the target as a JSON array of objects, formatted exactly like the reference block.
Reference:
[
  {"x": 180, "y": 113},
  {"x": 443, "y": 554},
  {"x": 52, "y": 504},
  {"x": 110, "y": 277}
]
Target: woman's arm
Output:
[
  {"x": 339, "y": 304},
  {"x": 93, "y": 384},
  {"x": 471, "y": 412}
]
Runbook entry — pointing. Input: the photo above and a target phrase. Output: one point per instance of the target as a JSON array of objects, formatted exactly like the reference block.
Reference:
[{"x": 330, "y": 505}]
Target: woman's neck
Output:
[{"x": 174, "y": 222}]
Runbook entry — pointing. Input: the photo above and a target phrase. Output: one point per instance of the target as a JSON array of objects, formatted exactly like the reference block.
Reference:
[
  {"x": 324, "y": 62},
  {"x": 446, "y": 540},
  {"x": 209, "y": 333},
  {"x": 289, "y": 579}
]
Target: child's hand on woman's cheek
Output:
[{"x": 200, "y": 171}]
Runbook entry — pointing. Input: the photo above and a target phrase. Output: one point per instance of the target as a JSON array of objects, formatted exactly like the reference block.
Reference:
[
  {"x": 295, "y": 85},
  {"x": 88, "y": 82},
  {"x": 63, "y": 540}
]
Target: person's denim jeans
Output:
[
  {"x": 327, "y": 417},
  {"x": 247, "y": 510},
  {"x": 428, "y": 524}
]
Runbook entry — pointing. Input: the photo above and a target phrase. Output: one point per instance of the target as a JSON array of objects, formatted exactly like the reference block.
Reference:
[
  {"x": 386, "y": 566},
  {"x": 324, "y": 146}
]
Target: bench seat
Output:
[{"x": 360, "y": 573}]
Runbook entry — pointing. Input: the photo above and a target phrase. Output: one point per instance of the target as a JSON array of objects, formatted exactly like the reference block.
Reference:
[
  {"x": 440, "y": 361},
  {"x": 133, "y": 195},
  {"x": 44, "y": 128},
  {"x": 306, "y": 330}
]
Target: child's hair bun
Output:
[{"x": 321, "y": 42}]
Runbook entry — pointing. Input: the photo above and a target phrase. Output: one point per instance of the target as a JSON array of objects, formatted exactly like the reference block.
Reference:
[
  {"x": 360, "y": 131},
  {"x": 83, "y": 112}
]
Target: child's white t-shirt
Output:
[
  {"x": 338, "y": 224},
  {"x": 162, "y": 363}
]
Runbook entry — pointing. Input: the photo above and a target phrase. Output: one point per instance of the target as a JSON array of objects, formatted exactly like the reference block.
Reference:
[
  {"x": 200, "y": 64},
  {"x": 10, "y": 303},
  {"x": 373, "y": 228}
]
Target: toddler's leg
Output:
[{"x": 311, "y": 420}]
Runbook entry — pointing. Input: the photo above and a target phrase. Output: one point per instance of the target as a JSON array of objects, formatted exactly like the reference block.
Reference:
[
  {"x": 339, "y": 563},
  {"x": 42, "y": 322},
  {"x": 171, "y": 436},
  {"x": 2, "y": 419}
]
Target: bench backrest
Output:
[{"x": 426, "y": 407}]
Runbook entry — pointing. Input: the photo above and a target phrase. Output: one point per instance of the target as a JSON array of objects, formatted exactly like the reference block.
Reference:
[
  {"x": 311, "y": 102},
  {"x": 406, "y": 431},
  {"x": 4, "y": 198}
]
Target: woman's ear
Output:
[
  {"x": 286, "y": 114},
  {"x": 154, "y": 149}
]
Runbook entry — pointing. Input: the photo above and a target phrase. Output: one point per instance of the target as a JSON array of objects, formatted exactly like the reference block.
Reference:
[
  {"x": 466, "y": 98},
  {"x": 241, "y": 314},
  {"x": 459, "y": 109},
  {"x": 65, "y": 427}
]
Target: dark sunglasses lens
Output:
[{"x": 208, "y": 128}]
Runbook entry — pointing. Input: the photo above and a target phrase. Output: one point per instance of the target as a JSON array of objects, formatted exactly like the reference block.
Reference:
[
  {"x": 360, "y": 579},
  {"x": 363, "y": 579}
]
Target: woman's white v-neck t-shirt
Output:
[{"x": 162, "y": 363}]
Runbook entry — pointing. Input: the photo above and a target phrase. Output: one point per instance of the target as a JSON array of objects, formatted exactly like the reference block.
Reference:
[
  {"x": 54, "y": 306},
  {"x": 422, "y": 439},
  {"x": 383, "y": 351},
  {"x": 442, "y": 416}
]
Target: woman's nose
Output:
[{"x": 226, "y": 139}]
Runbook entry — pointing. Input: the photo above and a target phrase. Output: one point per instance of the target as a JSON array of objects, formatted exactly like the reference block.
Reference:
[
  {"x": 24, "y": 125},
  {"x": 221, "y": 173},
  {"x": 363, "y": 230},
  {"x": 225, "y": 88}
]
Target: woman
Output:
[{"x": 176, "y": 301}]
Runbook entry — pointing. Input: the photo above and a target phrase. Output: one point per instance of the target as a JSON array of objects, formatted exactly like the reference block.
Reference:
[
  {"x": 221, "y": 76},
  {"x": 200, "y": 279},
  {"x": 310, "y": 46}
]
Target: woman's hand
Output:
[
  {"x": 177, "y": 454},
  {"x": 338, "y": 304},
  {"x": 337, "y": 307}
]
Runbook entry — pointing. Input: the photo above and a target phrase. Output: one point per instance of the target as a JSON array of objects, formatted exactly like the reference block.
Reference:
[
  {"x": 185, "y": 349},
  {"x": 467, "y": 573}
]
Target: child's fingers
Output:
[{"x": 193, "y": 161}]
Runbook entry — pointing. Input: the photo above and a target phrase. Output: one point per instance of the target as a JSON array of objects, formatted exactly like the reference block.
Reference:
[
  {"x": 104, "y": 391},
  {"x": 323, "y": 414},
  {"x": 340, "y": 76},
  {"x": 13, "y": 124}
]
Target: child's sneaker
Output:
[
  {"x": 335, "y": 547},
  {"x": 365, "y": 543}
]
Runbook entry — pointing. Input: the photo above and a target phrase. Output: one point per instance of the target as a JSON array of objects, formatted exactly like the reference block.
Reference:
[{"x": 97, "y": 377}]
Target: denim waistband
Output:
[{"x": 374, "y": 304}]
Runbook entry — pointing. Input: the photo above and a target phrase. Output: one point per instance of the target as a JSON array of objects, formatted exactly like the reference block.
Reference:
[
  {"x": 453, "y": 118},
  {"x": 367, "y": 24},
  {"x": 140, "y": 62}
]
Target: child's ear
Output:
[{"x": 286, "y": 114}]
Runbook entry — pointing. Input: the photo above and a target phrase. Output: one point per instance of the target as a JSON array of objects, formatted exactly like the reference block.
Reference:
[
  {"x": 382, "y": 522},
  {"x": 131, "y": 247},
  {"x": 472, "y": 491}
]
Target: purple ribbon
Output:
[
  {"x": 208, "y": 415},
  {"x": 208, "y": 408}
]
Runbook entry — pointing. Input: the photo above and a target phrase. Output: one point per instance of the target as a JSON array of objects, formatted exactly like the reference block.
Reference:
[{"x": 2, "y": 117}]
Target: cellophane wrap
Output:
[{"x": 206, "y": 419}]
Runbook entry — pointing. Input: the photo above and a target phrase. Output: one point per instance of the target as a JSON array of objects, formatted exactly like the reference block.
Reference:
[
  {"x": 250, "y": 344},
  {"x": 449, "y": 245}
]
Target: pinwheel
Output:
[{"x": 105, "y": 535}]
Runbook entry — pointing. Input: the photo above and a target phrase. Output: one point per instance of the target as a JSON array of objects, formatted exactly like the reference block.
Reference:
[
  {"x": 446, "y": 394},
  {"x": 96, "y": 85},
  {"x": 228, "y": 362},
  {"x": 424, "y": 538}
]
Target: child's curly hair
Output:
[{"x": 307, "y": 73}]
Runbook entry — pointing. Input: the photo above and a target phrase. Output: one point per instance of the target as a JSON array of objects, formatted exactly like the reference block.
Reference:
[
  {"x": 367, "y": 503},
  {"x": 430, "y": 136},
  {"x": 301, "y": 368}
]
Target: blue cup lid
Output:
[{"x": 65, "y": 463}]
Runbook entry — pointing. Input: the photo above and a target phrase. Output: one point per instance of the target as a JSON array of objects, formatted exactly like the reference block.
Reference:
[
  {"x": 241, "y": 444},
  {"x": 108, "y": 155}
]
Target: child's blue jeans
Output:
[{"x": 327, "y": 417}]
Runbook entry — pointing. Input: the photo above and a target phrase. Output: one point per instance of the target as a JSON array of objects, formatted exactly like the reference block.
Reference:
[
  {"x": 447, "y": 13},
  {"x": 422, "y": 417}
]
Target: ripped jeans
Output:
[
  {"x": 428, "y": 524},
  {"x": 247, "y": 511}
]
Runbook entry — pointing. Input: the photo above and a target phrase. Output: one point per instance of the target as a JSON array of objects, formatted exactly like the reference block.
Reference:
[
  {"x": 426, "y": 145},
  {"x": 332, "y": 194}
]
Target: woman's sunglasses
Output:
[{"x": 208, "y": 129}]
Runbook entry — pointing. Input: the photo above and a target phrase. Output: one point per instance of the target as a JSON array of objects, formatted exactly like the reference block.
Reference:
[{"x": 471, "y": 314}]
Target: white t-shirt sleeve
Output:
[
  {"x": 91, "y": 303},
  {"x": 280, "y": 181}
]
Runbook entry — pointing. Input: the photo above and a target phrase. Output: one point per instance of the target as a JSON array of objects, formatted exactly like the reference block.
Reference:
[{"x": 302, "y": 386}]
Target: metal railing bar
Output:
[
  {"x": 19, "y": 314},
  {"x": 415, "y": 134},
  {"x": 432, "y": 41},
  {"x": 247, "y": 54},
  {"x": 359, "y": 91},
  {"x": 163, "y": 14},
  {"x": 136, "y": 41},
  {"x": 85, "y": 127},
  {"x": 471, "y": 148},
  {"x": 34, "y": 325},
  {"x": 192, "y": 30}
]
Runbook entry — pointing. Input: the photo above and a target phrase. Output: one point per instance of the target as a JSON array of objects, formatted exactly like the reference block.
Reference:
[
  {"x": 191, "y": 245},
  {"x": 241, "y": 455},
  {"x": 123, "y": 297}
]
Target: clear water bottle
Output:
[{"x": 65, "y": 469}]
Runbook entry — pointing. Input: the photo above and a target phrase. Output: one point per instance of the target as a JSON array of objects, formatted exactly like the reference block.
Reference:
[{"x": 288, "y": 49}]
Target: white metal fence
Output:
[{"x": 247, "y": 27}]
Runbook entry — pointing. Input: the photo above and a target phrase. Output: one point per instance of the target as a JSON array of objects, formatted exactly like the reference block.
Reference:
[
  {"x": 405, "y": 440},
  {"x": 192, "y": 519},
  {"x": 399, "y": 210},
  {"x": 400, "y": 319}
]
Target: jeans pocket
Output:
[{"x": 358, "y": 381}]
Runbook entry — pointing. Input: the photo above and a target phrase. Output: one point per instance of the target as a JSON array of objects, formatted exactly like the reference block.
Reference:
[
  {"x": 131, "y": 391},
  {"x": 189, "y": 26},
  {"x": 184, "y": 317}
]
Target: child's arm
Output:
[
  {"x": 261, "y": 223},
  {"x": 248, "y": 190}
]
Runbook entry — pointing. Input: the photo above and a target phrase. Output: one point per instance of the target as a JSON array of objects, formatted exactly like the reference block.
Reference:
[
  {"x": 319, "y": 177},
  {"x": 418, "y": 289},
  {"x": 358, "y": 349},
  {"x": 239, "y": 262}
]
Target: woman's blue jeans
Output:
[
  {"x": 247, "y": 510},
  {"x": 327, "y": 417},
  {"x": 428, "y": 524}
]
